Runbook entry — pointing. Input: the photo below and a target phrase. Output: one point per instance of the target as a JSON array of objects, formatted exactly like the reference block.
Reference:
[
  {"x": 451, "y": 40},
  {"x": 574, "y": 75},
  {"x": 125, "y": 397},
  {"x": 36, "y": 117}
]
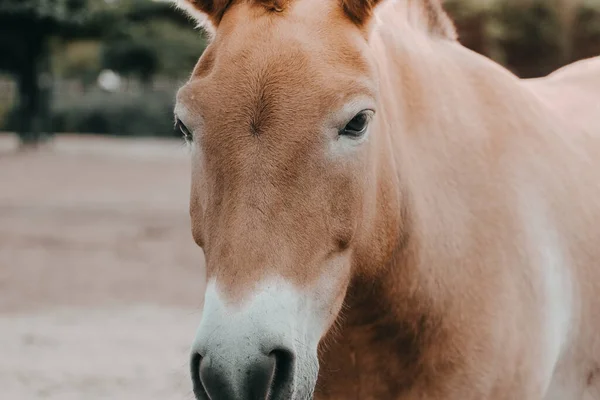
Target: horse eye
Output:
[
  {"x": 357, "y": 125},
  {"x": 187, "y": 135}
]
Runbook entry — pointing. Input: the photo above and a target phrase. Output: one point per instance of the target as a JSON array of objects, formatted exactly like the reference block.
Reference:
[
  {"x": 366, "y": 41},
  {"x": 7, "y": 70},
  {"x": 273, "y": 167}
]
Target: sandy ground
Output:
[{"x": 100, "y": 281}]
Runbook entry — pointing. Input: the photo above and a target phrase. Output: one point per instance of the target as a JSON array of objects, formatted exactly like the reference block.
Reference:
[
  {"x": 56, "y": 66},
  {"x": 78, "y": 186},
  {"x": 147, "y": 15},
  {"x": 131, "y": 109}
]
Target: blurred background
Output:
[
  {"x": 113, "y": 66},
  {"x": 100, "y": 281}
]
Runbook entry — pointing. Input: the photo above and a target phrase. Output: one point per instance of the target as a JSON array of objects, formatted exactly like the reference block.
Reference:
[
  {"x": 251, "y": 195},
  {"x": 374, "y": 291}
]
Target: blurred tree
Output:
[
  {"x": 149, "y": 38},
  {"x": 139, "y": 38},
  {"x": 26, "y": 27},
  {"x": 530, "y": 37},
  {"x": 78, "y": 59}
]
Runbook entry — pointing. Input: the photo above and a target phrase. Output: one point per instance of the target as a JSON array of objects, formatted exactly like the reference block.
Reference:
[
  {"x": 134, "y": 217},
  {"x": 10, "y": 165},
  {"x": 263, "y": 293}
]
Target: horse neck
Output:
[{"x": 447, "y": 108}]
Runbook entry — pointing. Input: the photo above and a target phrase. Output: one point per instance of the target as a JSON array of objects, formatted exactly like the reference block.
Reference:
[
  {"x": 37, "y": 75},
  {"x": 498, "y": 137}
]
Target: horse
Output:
[{"x": 385, "y": 214}]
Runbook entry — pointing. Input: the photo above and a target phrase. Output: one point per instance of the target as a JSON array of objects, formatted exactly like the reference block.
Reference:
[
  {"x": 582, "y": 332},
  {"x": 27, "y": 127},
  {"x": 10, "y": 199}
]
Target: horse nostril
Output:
[
  {"x": 281, "y": 384},
  {"x": 257, "y": 376},
  {"x": 198, "y": 387}
]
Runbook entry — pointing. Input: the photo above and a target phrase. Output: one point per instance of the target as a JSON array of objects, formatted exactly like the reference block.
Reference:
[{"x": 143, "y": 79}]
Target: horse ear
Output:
[
  {"x": 359, "y": 11},
  {"x": 431, "y": 12},
  {"x": 207, "y": 13}
]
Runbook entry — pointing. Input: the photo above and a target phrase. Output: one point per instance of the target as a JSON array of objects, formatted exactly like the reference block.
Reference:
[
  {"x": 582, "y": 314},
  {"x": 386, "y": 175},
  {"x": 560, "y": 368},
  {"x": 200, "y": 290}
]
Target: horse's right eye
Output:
[
  {"x": 187, "y": 134},
  {"x": 357, "y": 126}
]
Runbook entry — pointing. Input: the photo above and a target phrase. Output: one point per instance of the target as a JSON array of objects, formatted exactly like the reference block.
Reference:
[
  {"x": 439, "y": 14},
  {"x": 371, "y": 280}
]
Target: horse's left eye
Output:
[
  {"x": 187, "y": 134},
  {"x": 357, "y": 125}
]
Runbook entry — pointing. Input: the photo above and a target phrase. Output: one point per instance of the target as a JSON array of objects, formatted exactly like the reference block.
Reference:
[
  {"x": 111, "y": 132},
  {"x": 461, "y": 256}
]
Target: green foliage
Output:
[
  {"x": 76, "y": 39},
  {"x": 586, "y": 33},
  {"x": 530, "y": 37},
  {"x": 6, "y": 107},
  {"x": 589, "y": 18},
  {"x": 78, "y": 59},
  {"x": 144, "y": 114},
  {"x": 59, "y": 10},
  {"x": 148, "y": 38},
  {"x": 98, "y": 112},
  {"x": 178, "y": 48},
  {"x": 27, "y": 25},
  {"x": 49, "y": 17},
  {"x": 137, "y": 37}
]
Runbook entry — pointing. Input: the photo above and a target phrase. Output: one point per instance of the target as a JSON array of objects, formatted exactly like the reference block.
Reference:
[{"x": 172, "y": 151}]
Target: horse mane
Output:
[
  {"x": 436, "y": 20},
  {"x": 427, "y": 16}
]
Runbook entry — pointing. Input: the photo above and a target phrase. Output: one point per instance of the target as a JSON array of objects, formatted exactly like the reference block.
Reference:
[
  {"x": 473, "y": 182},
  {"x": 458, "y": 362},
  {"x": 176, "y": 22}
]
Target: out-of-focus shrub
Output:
[
  {"x": 5, "y": 109},
  {"x": 132, "y": 113},
  {"x": 141, "y": 114},
  {"x": 77, "y": 59},
  {"x": 586, "y": 31},
  {"x": 530, "y": 37}
]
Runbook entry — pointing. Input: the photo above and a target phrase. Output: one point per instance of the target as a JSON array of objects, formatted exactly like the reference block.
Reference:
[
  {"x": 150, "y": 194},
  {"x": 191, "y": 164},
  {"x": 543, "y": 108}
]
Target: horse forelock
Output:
[{"x": 274, "y": 5}]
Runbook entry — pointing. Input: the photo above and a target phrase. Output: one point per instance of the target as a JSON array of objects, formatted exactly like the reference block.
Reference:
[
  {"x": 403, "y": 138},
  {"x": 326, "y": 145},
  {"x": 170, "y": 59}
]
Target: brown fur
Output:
[
  {"x": 213, "y": 8},
  {"x": 440, "y": 218},
  {"x": 274, "y": 5},
  {"x": 359, "y": 10}
]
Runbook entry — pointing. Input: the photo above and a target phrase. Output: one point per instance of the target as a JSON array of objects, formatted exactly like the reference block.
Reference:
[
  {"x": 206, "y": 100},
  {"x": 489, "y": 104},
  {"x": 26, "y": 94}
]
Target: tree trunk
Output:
[
  {"x": 35, "y": 87},
  {"x": 567, "y": 16}
]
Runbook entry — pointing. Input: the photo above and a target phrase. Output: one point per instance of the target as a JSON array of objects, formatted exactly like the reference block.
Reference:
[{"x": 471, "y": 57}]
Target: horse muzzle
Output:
[
  {"x": 264, "y": 348},
  {"x": 238, "y": 374}
]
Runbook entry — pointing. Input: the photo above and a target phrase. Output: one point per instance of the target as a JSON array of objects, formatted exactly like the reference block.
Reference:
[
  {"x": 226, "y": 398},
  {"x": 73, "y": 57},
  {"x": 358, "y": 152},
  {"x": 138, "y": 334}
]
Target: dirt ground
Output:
[{"x": 100, "y": 281}]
